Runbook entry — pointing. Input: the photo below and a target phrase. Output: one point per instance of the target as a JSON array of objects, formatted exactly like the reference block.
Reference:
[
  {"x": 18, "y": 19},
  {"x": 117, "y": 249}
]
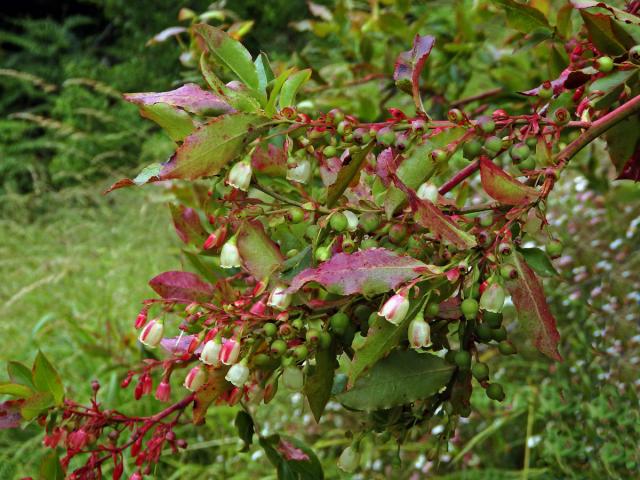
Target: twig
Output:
[
  {"x": 459, "y": 177},
  {"x": 480, "y": 96}
]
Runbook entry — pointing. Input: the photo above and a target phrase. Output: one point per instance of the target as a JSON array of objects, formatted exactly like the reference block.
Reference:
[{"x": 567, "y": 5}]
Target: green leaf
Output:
[
  {"x": 403, "y": 377},
  {"x": 622, "y": 141},
  {"x": 20, "y": 373},
  {"x": 521, "y": 17},
  {"x": 610, "y": 82},
  {"x": 260, "y": 255},
  {"x": 230, "y": 53},
  {"x": 238, "y": 99},
  {"x": 265, "y": 73},
  {"x": 601, "y": 34},
  {"x": 51, "y": 468},
  {"x": 347, "y": 174},
  {"x": 36, "y": 404},
  {"x": 245, "y": 427},
  {"x": 319, "y": 382},
  {"x": 291, "y": 87},
  {"x": 539, "y": 261},
  {"x": 147, "y": 173},
  {"x": 177, "y": 123},
  {"x": 15, "y": 389},
  {"x": 275, "y": 91},
  {"x": 46, "y": 378}
]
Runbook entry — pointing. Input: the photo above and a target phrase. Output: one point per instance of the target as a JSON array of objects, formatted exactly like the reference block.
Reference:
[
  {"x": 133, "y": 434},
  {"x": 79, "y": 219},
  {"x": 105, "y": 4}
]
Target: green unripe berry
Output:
[
  {"x": 528, "y": 164},
  {"x": 312, "y": 231},
  {"x": 439, "y": 155},
  {"x": 483, "y": 332},
  {"x": 323, "y": 254},
  {"x": 297, "y": 324},
  {"x": 471, "y": 149},
  {"x": 469, "y": 307},
  {"x": 261, "y": 359},
  {"x": 343, "y": 128},
  {"x": 604, "y": 64},
  {"x": 362, "y": 312},
  {"x": 368, "y": 243},
  {"x": 499, "y": 334},
  {"x": 520, "y": 151},
  {"x": 339, "y": 322},
  {"x": 508, "y": 272},
  {"x": 506, "y": 348},
  {"x": 369, "y": 221},
  {"x": 495, "y": 392},
  {"x": 292, "y": 253},
  {"x": 385, "y": 137},
  {"x": 324, "y": 340},
  {"x": 296, "y": 214},
  {"x": 329, "y": 151},
  {"x": 545, "y": 93},
  {"x": 486, "y": 220},
  {"x": 336, "y": 115},
  {"x": 339, "y": 222},
  {"x": 398, "y": 233},
  {"x": 300, "y": 352},
  {"x": 493, "y": 144},
  {"x": 554, "y": 248},
  {"x": 278, "y": 347},
  {"x": 450, "y": 356},
  {"x": 561, "y": 116},
  {"x": 493, "y": 319},
  {"x": 462, "y": 359},
  {"x": 312, "y": 336},
  {"x": 455, "y": 115},
  {"x": 480, "y": 371},
  {"x": 432, "y": 309},
  {"x": 270, "y": 329},
  {"x": 531, "y": 142},
  {"x": 486, "y": 124},
  {"x": 361, "y": 135}
]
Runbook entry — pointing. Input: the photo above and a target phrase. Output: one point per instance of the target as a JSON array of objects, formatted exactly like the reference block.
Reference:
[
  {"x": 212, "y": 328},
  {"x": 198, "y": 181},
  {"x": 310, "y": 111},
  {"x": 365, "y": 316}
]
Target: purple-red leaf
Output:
[
  {"x": 370, "y": 272},
  {"x": 290, "y": 452},
  {"x": 179, "y": 345},
  {"x": 10, "y": 414},
  {"x": 432, "y": 218},
  {"x": 534, "y": 314},
  {"x": 502, "y": 187},
  {"x": 189, "y": 97},
  {"x": 181, "y": 286},
  {"x": 409, "y": 66},
  {"x": 631, "y": 169},
  {"x": 568, "y": 79},
  {"x": 187, "y": 224}
]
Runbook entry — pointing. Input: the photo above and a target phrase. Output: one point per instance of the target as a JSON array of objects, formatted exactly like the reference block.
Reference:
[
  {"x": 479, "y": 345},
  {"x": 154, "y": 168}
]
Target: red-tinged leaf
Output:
[
  {"x": 181, "y": 286},
  {"x": 292, "y": 469},
  {"x": 189, "y": 97},
  {"x": 621, "y": 15},
  {"x": 568, "y": 79},
  {"x": 502, "y": 187},
  {"x": 409, "y": 66},
  {"x": 10, "y": 414},
  {"x": 272, "y": 161},
  {"x": 187, "y": 224},
  {"x": 348, "y": 174},
  {"x": 631, "y": 169},
  {"x": 534, "y": 314},
  {"x": 260, "y": 255},
  {"x": 205, "y": 152},
  {"x": 215, "y": 387},
  {"x": 370, "y": 272},
  {"x": 319, "y": 381},
  {"x": 46, "y": 378},
  {"x": 601, "y": 34},
  {"x": 36, "y": 404},
  {"x": 289, "y": 452},
  {"x": 431, "y": 217},
  {"x": 522, "y": 17},
  {"x": 623, "y": 145}
]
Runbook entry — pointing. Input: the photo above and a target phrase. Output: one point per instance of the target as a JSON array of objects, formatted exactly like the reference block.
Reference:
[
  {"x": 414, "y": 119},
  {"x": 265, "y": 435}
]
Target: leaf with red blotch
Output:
[
  {"x": 260, "y": 255},
  {"x": 432, "y": 218},
  {"x": 601, "y": 33},
  {"x": 631, "y": 169},
  {"x": 502, "y": 187},
  {"x": 206, "y": 151},
  {"x": 623, "y": 145},
  {"x": 409, "y": 65},
  {"x": 534, "y": 314},
  {"x": 10, "y": 414},
  {"x": 187, "y": 224},
  {"x": 289, "y": 452},
  {"x": 189, "y": 97},
  {"x": 371, "y": 271},
  {"x": 272, "y": 161},
  {"x": 213, "y": 389},
  {"x": 568, "y": 79},
  {"x": 181, "y": 286}
]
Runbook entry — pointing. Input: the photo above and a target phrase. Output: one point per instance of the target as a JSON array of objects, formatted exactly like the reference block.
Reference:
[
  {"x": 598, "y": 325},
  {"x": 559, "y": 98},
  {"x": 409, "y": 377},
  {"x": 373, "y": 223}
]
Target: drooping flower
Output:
[
  {"x": 230, "y": 351},
  {"x": 428, "y": 191},
  {"x": 152, "y": 333},
  {"x": 195, "y": 379},
  {"x": 230, "y": 255},
  {"x": 349, "y": 460},
  {"x": 279, "y": 298},
  {"x": 352, "y": 220},
  {"x": 163, "y": 392},
  {"x": 240, "y": 175},
  {"x": 238, "y": 374},
  {"x": 419, "y": 332},
  {"x": 301, "y": 172},
  {"x": 493, "y": 297},
  {"x": 210, "y": 354},
  {"x": 395, "y": 309}
]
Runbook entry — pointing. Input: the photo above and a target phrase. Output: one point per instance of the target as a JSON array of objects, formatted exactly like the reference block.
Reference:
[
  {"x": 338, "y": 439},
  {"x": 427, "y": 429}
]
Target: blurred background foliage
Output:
[{"x": 75, "y": 264}]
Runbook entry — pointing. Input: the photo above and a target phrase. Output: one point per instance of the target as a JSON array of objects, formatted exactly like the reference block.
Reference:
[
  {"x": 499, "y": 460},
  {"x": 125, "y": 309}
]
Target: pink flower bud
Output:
[
  {"x": 152, "y": 334},
  {"x": 419, "y": 332},
  {"x": 395, "y": 309},
  {"x": 492, "y": 299},
  {"x": 301, "y": 172},
  {"x": 210, "y": 354},
  {"x": 240, "y": 176},
  {"x": 238, "y": 374},
  {"x": 163, "y": 392},
  {"x": 293, "y": 378},
  {"x": 136, "y": 476},
  {"x": 258, "y": 308},
  {"x": 230, "y": 352},
  {"x": 210, "y": 242},
  {"x": 141, "y": 319},
  {"x": 195, "y": 379},
  {"x": 279, "y": 298},
  {"x": 77, "y": 440},
  {"x": 230, "y": 255}
]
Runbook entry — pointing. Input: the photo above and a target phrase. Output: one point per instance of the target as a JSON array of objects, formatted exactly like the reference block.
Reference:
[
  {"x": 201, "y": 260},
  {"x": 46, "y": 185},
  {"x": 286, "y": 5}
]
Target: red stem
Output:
[{"x": 459, "y": 177}]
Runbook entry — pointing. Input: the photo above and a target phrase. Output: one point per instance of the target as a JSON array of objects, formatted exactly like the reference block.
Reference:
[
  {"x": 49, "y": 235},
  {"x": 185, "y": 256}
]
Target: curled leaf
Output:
[
  {"x": 189, "y": 97},
  {"x": 409, "y": 65},
  {"x": 502, "y": 187}
]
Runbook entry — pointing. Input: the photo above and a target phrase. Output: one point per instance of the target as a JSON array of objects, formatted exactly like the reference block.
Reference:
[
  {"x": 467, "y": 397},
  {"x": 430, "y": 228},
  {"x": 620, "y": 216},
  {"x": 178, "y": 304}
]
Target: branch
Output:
[
  {"x": 459, "y": 177},
  {"x": 597, "y": 128}
]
